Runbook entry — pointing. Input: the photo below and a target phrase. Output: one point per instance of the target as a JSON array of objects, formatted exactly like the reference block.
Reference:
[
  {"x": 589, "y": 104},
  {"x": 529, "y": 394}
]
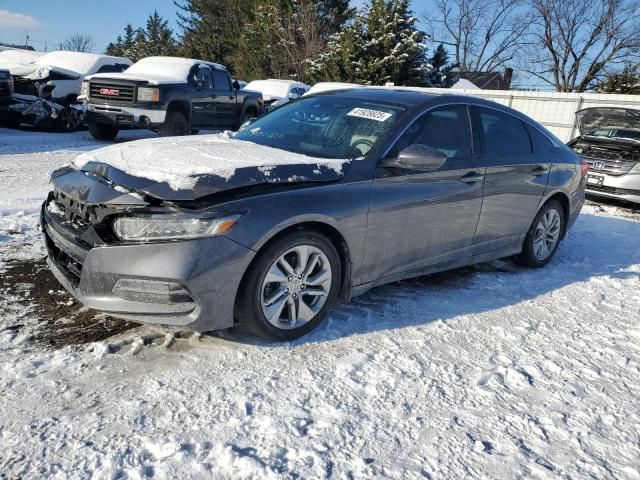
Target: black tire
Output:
[
  {"x": 248, "y": 309},
  {"x": 528, "y": 256},
  {"x": 175, "y": 125},
  {"x": 68, "y": 120},
  {"x": 103, "y": 132},
  {"x": 245, "y": 117},
  {"x": 195, "y": 131}
]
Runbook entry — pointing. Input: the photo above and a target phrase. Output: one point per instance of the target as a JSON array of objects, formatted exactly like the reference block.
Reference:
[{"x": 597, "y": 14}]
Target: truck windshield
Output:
[{"x": 323, "y": 126}]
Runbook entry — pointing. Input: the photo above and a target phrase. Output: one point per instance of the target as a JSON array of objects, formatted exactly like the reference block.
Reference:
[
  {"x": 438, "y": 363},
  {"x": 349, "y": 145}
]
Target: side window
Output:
[
  {"x": 502, "y": 134},
  {"x": 111, "y": 68},
  {"x": 541, "y": 143},
  {"x": 221, "y": 80},
  {"x": 203, "y": 77},
  {"x": 443, "y": 128}
]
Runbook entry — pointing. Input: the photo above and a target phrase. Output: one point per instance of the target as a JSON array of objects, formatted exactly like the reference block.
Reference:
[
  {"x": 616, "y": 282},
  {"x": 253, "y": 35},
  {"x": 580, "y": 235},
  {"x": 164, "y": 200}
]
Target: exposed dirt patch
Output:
[{"x": 31, "y": 284}]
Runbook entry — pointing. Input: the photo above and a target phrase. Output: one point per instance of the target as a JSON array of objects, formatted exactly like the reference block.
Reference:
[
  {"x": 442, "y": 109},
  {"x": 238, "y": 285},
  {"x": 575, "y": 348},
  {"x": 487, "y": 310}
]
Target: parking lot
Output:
[{"x": 491, "y": 371}]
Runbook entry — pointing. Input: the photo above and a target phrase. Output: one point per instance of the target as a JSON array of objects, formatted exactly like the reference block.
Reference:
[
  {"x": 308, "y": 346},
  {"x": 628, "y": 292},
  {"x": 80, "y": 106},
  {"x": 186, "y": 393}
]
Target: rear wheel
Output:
[
  {"x": 543, "y": 237},
  {"x": 244, "y": 118},
  {"x": 175, "y": 125},
  {"x": 101, "y": 131},
  {"x": 291, "y": 286}
]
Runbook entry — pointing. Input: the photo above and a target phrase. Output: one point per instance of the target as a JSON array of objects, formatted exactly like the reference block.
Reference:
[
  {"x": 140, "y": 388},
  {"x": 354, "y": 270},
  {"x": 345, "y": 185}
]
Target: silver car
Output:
[
  {"x": 609, "y": 142},
  {"x": 316, "y": 202}
]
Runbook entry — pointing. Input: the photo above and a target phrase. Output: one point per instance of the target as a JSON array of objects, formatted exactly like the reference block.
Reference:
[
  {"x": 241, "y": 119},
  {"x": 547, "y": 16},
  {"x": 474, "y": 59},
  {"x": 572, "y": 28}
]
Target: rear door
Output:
[
  {"x": 515, "y": 179},
  {"x": 417, "y": 218}
]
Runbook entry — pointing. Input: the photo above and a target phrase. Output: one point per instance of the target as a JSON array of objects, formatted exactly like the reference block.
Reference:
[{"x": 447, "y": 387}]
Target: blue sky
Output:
[{"x": 52, "y": 21}]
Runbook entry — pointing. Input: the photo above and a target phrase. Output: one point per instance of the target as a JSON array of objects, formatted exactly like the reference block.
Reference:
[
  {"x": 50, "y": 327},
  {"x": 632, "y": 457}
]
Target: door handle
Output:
[
  {"x": 472, "y": 177},
  {"x": 539, "y": 170}
]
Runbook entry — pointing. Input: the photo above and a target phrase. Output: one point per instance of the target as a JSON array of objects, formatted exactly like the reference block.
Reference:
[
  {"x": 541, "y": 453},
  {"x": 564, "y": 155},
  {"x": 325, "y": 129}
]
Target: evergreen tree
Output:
[
  {"x": 441, "y": 73},
  {"x": 381, "y": 45},
  {"x": 625, "y": 82},
  {"x": 212, "y": 29},
  {"x": 156, "y": 39}
]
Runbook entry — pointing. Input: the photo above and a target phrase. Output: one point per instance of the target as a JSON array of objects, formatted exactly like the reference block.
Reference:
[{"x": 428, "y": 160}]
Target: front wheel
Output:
[
  {"x": 175, "y": 125},
  {"x": 543, "y": 237},
  {"x": 103, "y": 132},
  {"x": 291, "y": 286}
]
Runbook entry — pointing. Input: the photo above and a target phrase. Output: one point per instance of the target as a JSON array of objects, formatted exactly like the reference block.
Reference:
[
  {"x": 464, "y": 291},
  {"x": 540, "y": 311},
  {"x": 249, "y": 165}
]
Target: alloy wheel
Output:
[
  {"x": 296, "y": 287},
  {"x": 547, "y": 234}
]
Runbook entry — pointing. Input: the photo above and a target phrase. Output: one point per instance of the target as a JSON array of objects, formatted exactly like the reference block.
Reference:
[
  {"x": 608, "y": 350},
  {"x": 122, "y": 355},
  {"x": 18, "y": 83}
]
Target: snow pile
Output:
[{"x": 179, "y": 161}]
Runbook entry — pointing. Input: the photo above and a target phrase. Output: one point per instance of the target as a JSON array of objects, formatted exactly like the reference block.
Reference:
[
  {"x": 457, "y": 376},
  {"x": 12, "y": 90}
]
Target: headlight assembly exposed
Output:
[
  {"x": 171, "y": 227},
  {"x": 146, "y": 94}
]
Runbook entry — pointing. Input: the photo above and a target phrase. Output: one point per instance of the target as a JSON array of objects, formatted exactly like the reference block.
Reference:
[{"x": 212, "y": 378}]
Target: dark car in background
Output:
[
  {"x": 320, "y": 200},
  {"x": 609, "y": 142}
]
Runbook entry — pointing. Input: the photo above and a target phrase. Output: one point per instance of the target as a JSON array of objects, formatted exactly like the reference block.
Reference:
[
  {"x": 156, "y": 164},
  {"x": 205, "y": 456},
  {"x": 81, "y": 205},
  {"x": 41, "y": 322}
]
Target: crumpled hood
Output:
[
  {"x": 590, "y": 119},
  {"x": 188, "y": 168}
]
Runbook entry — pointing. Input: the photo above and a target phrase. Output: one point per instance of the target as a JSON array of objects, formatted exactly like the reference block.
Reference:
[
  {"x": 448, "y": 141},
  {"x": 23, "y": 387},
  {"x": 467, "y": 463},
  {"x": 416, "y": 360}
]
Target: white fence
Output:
[{"x": 556, "y": 111}]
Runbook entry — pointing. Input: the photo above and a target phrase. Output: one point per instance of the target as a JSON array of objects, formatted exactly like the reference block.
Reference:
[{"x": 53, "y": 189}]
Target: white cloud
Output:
[{"x": 17, "y": 21}]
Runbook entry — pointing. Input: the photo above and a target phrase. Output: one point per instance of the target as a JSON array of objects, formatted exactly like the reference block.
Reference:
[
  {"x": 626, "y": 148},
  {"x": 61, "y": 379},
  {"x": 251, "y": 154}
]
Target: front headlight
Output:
[
  {"x": 84, "y": 89},
  {"x": 171, "y": 227},
  {"x": 146, "y": 94}
]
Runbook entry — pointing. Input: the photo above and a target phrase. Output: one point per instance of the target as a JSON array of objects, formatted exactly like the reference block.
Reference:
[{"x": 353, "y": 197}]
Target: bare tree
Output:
[
  {"x": 78, "y": 42},
  {"x": 482, "y": 34},
  {"x": 576, "y": 40},
  {"x": 302, "y": 36}
]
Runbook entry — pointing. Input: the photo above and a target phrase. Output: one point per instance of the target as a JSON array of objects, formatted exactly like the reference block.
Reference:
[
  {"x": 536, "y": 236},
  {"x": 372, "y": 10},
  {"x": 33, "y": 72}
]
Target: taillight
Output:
[{"x": 585, "y": 167}]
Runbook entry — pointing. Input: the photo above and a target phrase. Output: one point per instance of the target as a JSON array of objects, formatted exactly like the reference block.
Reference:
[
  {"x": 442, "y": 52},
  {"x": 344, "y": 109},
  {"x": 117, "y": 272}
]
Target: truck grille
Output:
[
  {"x": 608, "y": 166},
  {"x": 111, "y": 93},
  {"x": 6, "y": 89}
]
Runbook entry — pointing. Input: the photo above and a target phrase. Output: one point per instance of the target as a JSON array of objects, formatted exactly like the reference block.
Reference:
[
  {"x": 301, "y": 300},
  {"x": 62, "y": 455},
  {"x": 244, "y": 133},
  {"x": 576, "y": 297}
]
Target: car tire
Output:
[
  {"x": 103, "y": 132},
  {"x": 195, "y": 131},
  {"x": 68, "y": 120},
  {"x": 544, "y": 236},
  {"x": 175, "y": 125},
  {"x": 267, "y": 279},
  {"x": 244, "y": 118}
]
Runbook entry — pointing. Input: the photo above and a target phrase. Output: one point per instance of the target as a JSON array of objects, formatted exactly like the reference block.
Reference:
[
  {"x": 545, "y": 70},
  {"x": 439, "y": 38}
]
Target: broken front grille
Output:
[{"x": 112, "y": 93}]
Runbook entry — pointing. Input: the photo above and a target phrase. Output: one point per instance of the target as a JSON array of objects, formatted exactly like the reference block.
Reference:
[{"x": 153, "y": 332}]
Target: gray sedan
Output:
[{"x": 316, "y": 202}]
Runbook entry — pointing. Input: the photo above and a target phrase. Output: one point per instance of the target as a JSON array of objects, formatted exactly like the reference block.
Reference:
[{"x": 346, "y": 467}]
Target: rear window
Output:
[
  {"x": 541, "y": 143},
  {"x": 503, "y": 134}
]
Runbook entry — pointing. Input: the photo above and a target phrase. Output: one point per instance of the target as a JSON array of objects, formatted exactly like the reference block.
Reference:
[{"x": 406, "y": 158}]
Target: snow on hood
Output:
[
  {"x": 590, "y": 119},
  {"x": 187, "y": 168}
]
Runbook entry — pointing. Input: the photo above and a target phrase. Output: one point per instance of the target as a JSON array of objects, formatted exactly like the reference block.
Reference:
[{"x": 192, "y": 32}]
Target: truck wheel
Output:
[
  {"x": 245, "y": 117},
  {"x": 174, "y": 125},
  {"x": 101, "y": 131}
]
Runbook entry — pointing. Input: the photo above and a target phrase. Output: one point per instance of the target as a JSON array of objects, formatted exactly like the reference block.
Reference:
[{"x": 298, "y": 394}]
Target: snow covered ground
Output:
[{"x": 493, "y": 371}]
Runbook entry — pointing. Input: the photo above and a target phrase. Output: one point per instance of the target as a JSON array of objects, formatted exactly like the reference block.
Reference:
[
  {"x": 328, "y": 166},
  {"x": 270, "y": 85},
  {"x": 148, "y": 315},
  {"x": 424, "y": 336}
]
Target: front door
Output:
[
  {"x": 423, "y": 218},
  {"x": 515, "y": 180},
  {"x": 203, "y": 104}
]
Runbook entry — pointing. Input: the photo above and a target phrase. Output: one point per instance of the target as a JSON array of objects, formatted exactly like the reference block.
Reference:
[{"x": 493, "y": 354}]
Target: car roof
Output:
[{"x": 406, "y": 98}]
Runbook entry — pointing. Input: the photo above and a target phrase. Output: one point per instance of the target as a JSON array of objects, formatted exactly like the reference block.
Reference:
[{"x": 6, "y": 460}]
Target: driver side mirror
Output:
[
  {"x": 236, "y": 85},
  {"x": 417, "y": 157}
]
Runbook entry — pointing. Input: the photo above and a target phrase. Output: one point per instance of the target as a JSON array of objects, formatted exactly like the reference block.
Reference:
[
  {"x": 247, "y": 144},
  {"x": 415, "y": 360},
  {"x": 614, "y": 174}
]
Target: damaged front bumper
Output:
[
  {"x": 190, "y": 284},
  {"x": 126, "y": 116}
]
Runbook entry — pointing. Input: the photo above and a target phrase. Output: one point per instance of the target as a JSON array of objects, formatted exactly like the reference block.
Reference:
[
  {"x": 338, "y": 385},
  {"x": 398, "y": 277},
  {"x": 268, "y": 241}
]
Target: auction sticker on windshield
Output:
[{"x": 369, "y": 114}]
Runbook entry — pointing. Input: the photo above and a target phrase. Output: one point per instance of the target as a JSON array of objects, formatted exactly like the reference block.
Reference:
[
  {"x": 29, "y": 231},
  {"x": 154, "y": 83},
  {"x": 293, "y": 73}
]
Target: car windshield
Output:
[
  {"x": 615, "y": 133},
  {"x": 323, "y": 126}
]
